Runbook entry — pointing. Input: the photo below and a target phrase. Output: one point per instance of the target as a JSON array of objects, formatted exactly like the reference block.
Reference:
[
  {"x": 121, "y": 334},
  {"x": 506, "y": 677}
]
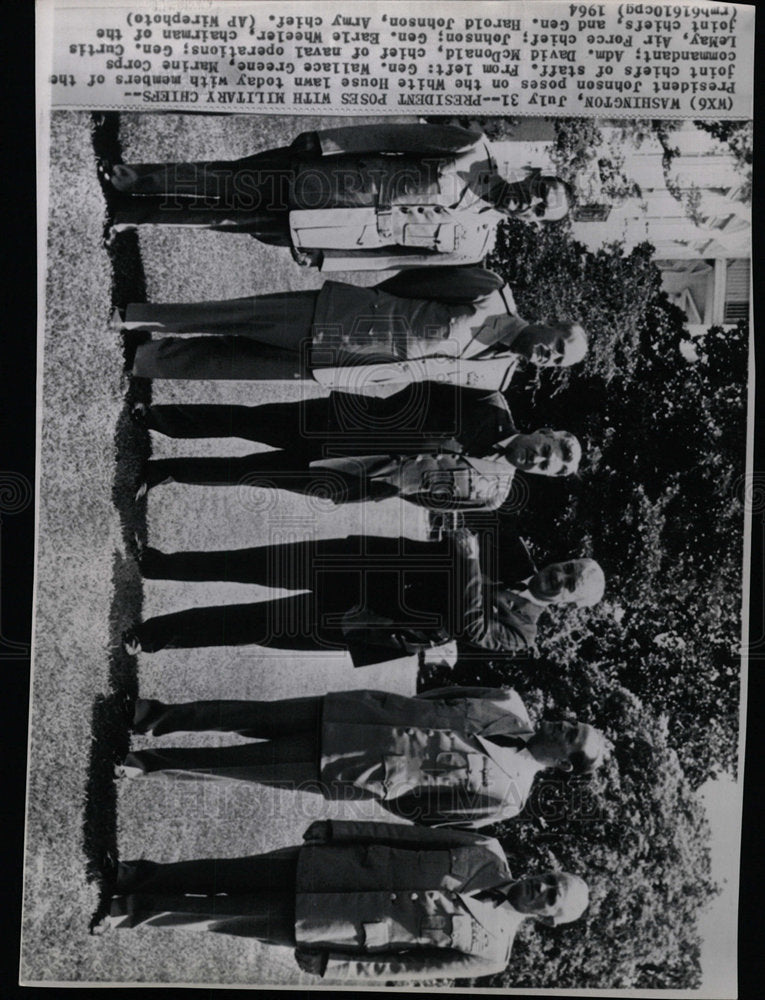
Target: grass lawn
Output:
[{"x": 89, "y": 589}]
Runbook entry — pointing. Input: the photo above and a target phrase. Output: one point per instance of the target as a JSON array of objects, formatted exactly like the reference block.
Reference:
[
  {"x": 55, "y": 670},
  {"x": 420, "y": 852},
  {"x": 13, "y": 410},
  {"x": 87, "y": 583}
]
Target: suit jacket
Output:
[
  {"x": 388, "y": 901},
  {"x": 418, "y": 418},
  {"x": 450, "y": 324},
  {"x": 449, "y": 598},
  {"x": 431, "y": 758},
  {"x": 397, "y": 196}
]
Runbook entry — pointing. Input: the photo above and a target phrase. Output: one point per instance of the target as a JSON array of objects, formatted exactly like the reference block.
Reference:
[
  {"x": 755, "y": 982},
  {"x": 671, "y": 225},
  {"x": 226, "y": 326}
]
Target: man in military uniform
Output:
[
  {"x": 371, "y": 197},
  {"x": 435, "y": 444},
  {"x": 448, "y": 324},
  {"x": 456, "y": 756},
  {"x": 357, "y": 901}
]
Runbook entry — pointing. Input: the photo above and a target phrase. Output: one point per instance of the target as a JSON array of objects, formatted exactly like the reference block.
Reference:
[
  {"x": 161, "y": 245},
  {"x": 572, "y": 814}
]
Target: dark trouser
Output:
[
  {"x": 284, "y": 623},
  {"x": 258, "y": 900},
  {"x": 418, "y": 418},
  {"x": 299, "y": 427},
  {"x": 288, "y": 756},
  {"x": 336, "y": 564},
  {"x": 384, "y": 575},
  {"x": 279, "y": 470},
  {"x": 250, "y": 195},
  {"x": 264, "y": 720},
  {"x": 255, "y": 337}
]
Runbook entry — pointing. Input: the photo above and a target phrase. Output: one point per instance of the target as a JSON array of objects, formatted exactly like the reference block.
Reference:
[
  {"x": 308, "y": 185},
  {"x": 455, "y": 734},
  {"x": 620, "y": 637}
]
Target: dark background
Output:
[{"x": 17, "y": 430}]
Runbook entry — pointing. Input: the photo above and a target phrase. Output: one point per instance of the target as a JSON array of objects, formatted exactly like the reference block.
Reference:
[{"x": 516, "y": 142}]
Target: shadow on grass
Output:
[
  {"x": 128, "y": 277},
  {"x": 132, "y": 449},
  {"x": 112, "y": 713},
  {"x": 111, "y": 718}
]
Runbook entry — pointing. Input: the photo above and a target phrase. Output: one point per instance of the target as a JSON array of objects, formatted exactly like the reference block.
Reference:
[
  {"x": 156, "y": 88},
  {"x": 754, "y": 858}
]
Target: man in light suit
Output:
[
  {"x": 452, "y": 756},
  {"x": 358, "y": 901},
  {"x": 448, "y": 324},
  {"x": 369, "y": 197},
  {"x": 379, "y": 598},
  {"x": 435, "y": 444}
]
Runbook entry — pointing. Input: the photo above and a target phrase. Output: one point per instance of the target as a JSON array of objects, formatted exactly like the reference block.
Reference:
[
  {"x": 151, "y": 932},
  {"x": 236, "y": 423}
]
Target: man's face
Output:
[
  {"x": 541, "y": 896},
  {"x": 558, "y": 583},
  {"x": 552, "y": 203},
  {"x": 550, "y": 346},
  {"x": 553, "y": 743},
  {"x": 538, "y": 453}
]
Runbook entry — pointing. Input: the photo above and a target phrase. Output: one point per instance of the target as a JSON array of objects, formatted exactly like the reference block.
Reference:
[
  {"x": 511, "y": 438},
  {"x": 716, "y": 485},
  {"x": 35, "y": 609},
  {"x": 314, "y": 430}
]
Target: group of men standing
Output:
[{"x": 416, "y": 367}]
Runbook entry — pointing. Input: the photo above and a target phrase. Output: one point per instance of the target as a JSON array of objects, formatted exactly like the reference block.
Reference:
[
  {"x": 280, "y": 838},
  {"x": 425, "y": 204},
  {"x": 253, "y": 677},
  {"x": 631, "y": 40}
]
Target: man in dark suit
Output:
[
  {"x": 434, "y": 444},
  {"x": 358, "y": 901},
  {"x": 526, "y": 592},
  {"x": 381, "y": 598},
  {"x": 369, "y": 197},
  {"x": 454, "y": 756},
  {"x": 448, "y": 324}
]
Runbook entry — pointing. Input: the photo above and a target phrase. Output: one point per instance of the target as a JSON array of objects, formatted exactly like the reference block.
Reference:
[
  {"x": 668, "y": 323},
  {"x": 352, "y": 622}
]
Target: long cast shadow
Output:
[
  {"x": 111, "y": 716},
  {"x": 112, "y": 712},
  {"x": 128, "y": 277}
]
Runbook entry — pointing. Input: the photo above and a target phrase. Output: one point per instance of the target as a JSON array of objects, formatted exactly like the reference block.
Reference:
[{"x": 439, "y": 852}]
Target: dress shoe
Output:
[
  {"x": 128, "y": 769},
  {"x": 123, "y": 772},
  {"x": 117, "y": 319},
  {"x": 104, "y": 170},
  {"x": 139, "y": 413},
  {"x": 145, "y": 710},
  {"x": 131, "y": 642}
]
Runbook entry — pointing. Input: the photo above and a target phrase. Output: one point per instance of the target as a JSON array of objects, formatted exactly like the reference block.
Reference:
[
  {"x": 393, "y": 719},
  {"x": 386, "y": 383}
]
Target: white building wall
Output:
[{"x": 698, "y": 254}]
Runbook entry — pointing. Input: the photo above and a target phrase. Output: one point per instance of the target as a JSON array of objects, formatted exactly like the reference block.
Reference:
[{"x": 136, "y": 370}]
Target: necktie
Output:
[
  {"x": 503, "y": 740},
  {"x": 495, "y": 896}
]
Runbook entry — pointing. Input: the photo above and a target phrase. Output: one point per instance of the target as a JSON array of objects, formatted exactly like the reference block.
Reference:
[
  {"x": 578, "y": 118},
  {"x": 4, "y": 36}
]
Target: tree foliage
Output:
[
  {"x": 556, "y": 278},
  {"x": 739, "y": 137},
  {"x": 638, "y": 835},
  {"x": 635, "y": 831},
  {"x": 580, "y": 142},
  {"x": 659, "y": 503},
  {"x": 659, "y": 499}
]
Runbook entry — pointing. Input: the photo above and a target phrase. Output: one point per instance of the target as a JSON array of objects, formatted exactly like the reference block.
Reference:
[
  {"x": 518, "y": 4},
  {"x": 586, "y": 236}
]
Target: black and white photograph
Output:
[{"x": 394, "y": 492}]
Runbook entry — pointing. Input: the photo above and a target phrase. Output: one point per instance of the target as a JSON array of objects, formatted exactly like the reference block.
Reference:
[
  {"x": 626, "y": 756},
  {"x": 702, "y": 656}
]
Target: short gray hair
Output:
[
  {"x": 577, "y": 898},
  {"x": 577, "y": 331},
  {"x": 591, "y": 585}
]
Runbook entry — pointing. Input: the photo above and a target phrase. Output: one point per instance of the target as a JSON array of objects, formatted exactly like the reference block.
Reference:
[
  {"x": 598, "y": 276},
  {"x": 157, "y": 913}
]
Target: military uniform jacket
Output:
[
  {"x": 389, "y": 901},
  {"x": 448, "y": 324},
  {"x": 430, "y": 442},
  {"x": 395, "y": 196},
  {"x": 430, "y": 758},
  {"x": 444, "y": 481},
  {"x": 417, "y": 419}
]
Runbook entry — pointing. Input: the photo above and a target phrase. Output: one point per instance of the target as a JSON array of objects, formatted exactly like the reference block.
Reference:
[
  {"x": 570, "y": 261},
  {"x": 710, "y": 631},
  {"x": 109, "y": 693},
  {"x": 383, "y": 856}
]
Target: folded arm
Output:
[
  {"x": 426, "y": 499},
  {"x": 482, "y": 626},
  {"x": 337, "y": 831},
  {"x": 456, "y": 285},
  {"x": 512, "y": 635},
  {"x": 460, "y": 693}
]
